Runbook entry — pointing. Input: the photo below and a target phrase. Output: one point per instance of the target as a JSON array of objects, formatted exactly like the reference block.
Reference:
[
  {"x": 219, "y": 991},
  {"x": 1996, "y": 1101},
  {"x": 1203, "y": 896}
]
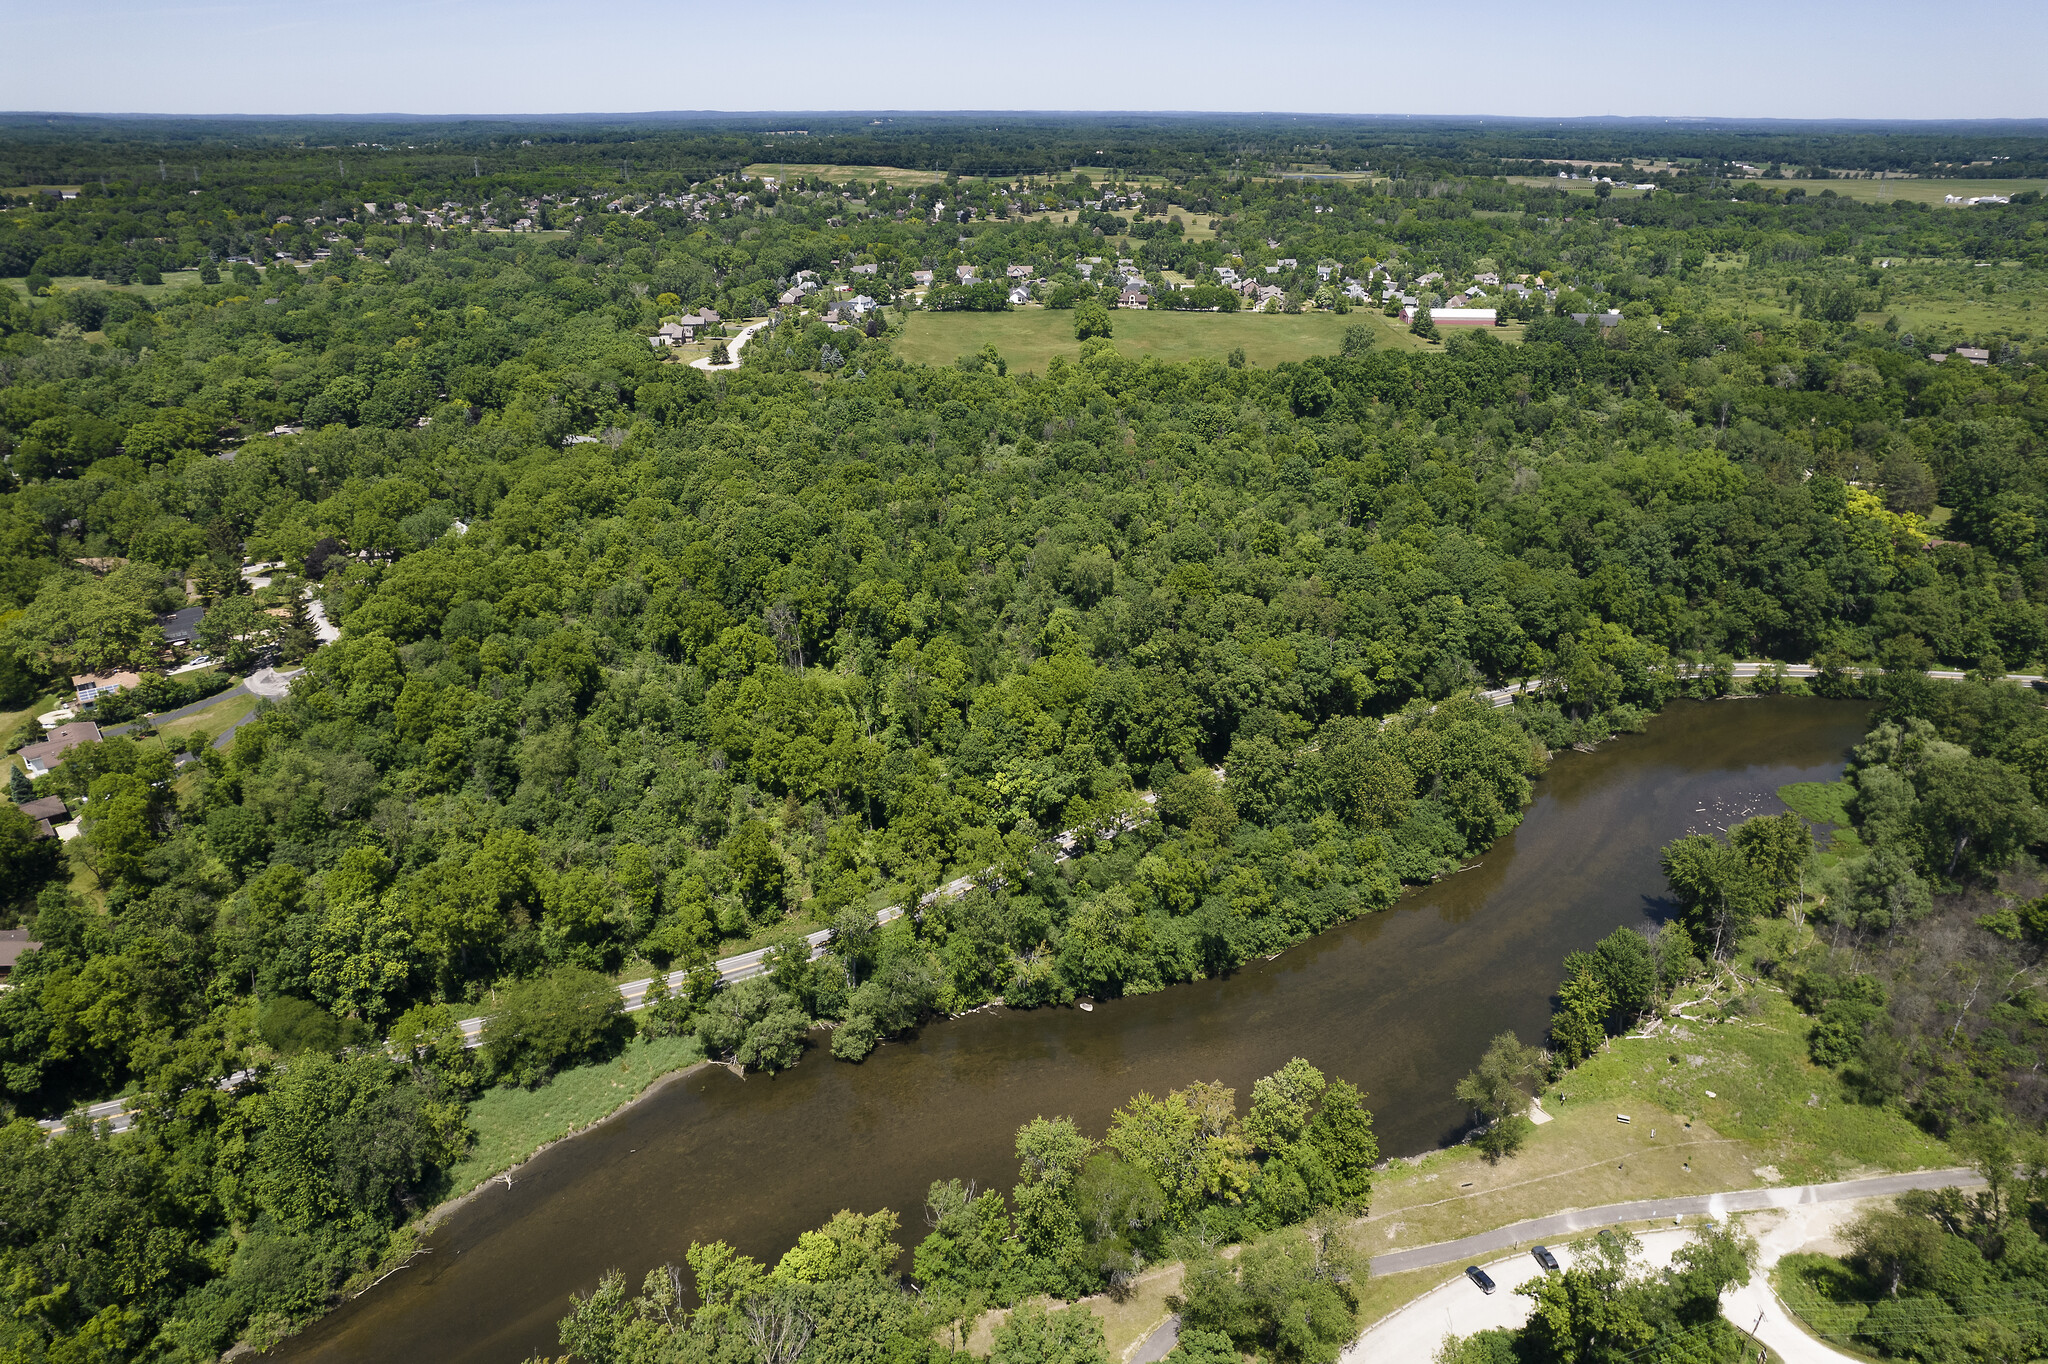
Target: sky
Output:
[{"x": 1885, "y": 59}]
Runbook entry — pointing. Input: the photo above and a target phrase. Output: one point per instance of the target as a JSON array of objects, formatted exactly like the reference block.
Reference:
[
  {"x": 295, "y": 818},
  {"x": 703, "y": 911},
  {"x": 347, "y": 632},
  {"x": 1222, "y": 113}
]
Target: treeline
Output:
[{"x": 1178, "y": 1177}]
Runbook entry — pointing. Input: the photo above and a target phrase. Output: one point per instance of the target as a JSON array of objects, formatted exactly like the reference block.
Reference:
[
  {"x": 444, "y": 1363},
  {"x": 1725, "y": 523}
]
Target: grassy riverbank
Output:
[
  {"x": 1760, "y": 1113},
  {"x": 513, "y": 1125}
]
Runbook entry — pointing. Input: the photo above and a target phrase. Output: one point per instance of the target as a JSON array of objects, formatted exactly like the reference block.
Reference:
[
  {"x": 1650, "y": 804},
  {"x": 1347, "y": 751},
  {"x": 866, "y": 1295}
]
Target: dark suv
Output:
[
  {"x": 1545, "y": 1258},
  {"x": 1480, "y": 1277}
]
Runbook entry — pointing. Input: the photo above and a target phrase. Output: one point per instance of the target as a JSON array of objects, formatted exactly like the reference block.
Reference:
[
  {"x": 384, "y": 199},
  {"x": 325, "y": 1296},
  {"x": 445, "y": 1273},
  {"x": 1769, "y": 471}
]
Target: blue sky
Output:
[{"x": 1802, "y": 59}]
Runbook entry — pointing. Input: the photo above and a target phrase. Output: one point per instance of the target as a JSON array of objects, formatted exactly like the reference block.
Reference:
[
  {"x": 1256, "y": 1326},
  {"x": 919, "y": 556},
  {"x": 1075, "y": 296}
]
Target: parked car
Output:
[
  {"x": 1480, "y": 1277},
  {"x": 1545, "y": 1258}
]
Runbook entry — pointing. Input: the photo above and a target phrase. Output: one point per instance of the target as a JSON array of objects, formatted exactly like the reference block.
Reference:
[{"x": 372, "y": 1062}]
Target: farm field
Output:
[
  {"x": 1922, "y": 191},
  {"x": 895, "y": 175},
  {"x": 1030, "y": 338},
  {"x": 1862, "y": 191}
]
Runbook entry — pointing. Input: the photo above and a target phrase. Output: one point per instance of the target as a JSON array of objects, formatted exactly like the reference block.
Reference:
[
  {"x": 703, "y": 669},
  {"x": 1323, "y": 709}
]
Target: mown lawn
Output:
[
  {"x": 1028, "y": 338},
  {"x": 214, "y": 719}
]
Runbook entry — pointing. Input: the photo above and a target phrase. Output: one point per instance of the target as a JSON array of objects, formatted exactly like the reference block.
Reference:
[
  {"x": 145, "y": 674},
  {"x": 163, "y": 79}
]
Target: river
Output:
[{"x": 1401, "y": 1003}]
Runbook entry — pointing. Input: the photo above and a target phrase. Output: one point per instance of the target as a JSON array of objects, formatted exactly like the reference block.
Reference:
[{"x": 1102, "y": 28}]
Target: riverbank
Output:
[
  {"x": 516, "y": 1126},
  {"x": 1743, "y": 1109},
  {"x": 1400, "y": 1002}
]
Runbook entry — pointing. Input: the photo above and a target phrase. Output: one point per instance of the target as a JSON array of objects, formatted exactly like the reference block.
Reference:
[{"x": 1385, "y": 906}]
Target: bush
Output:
[
  {"x": 776, "y": 1042},
  {"x": 570, "y": 1014},
  {"x": 293, "y": 1026},
  {"x": 855, "y": 1038}
]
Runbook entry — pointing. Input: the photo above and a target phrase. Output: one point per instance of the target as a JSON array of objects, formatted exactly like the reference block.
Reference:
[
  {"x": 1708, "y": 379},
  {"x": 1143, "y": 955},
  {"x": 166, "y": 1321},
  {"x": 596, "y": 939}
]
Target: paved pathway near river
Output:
[{"x": 1413, "y": 1332}]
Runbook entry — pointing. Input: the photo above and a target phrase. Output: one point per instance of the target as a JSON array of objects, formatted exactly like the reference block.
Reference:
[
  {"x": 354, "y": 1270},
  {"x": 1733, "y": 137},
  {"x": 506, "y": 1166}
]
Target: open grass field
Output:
[
  {"x": 173, "y": 281},
  {"x": 1920, "y": 191},
  {"x": 1196, "y": 225},
  {"x": 1030, "y": 337},
  {"x": 511, "y": 1124},
  {"x": 894, "y": 175},
  {"x": 1863, "y": 191}
]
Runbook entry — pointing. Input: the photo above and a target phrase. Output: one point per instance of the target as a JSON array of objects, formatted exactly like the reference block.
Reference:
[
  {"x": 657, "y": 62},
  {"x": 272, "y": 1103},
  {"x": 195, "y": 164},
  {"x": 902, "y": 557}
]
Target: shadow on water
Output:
[{"x": 1401, "y": 1003}]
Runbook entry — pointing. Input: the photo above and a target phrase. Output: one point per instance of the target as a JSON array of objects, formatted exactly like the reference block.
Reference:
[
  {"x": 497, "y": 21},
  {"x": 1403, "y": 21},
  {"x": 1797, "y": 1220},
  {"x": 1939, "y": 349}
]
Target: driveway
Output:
[{"x": 732, "y": 348}]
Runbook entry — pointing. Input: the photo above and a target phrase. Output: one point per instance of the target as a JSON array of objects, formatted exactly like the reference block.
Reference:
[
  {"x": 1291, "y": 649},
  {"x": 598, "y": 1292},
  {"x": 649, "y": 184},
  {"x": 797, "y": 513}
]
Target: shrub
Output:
[{"x": 570, "y": 1014}]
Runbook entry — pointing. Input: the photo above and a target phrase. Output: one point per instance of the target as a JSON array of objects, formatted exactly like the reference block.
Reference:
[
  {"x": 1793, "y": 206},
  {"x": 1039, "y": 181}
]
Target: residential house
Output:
[
  {"x": 1976, "y": 355},
  {"x": 869, "y": 269},
  {"x": 14, "y": 944},
  {"x": 965, "y": 273},
  {"x": 92, "y": 686},
  {"x": 1606, "y": 320},
  {"x": 43, "y": 758},
  {"x": 182, "y": 627},
  {"x": 921, "y": 277},
  {"x": 1018, "y": 271},
  {"x": 1131, "y": 298},
  {"x": 46, "y": 812},
  {"x": 1020, "y": 294}
]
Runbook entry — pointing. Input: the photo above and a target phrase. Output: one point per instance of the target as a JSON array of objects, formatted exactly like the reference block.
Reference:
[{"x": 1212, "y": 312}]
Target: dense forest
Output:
[{"x": 640, "y": 663}]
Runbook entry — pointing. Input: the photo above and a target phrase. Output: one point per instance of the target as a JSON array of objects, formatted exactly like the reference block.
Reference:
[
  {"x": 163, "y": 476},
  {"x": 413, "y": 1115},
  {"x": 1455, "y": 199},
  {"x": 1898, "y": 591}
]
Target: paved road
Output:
[
  {"x": 747, "y": 965},
  {"x": 730, "y": 969},
  {"x": 1412, "y": 1333},
  {"x": 1470, "y": 1248}
]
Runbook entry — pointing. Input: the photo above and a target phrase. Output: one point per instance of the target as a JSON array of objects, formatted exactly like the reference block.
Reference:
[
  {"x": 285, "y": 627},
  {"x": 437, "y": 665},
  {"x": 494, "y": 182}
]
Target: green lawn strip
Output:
[
  {"x": 214, "y": 719},
  {"x": 1028, "y": 338},
  {"x": 512, "y": 1124}
]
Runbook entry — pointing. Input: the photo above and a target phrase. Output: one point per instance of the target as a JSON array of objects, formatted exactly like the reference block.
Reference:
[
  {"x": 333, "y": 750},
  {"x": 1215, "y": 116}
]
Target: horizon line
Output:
[{"x": 700, "y": 114}]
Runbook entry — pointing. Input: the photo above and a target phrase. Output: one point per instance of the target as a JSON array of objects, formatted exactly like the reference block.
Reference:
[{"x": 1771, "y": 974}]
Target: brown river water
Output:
[{"x": 1401, "y": 1003}]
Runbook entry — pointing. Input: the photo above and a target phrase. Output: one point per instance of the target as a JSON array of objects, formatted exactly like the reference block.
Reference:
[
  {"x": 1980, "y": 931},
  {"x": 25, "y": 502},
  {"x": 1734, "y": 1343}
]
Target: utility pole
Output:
[{"x": 160, "y": 170}]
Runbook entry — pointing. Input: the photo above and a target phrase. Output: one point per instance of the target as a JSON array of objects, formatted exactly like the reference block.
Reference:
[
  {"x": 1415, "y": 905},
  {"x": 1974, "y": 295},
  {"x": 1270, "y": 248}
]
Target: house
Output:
[
  {"x": 868, "y": 269},
  {"x": 1019, "y": 295},
  {"x": 14, "y": 944},
  {"x": 1456, "y": 317},
  {"x": 91, "y": 686},
  {"x": 1131, "y": 298},
  {"x": 921, "y": 277},
  {"x": 1087, "y": 270},
  {"x": 1606, "y": 320},
  {"x": 1976, "y": 355},
  {"x": 48, "y": 811},
  {"x": 1018, "y": 271},
  {"x": 182, "y": 627},
  {"x": 965, "y": 273},
  {"x": 43, "y": 758}
]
